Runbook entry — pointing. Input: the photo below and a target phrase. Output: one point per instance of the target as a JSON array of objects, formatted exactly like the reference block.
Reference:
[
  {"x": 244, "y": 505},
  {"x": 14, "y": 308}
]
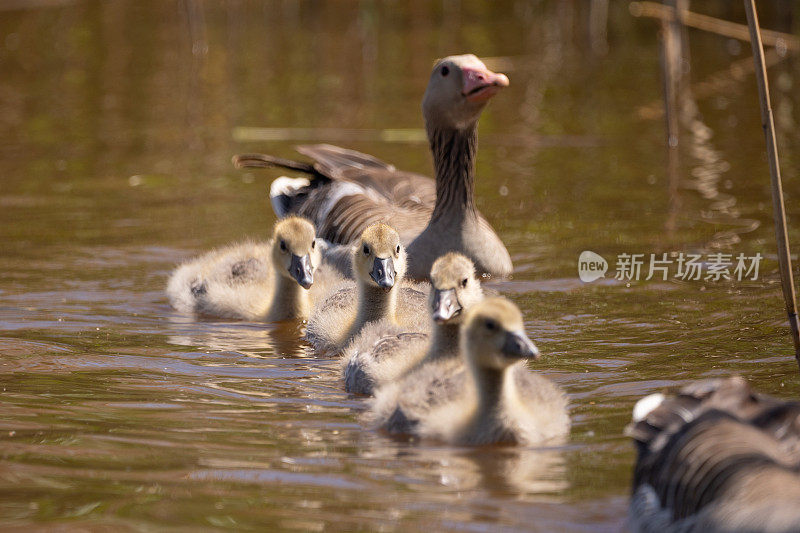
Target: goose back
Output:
[
  {"x": 238, "y": 284},
  {"x": 330, "y": 327},
  {"x": 398, "y": 406},
  {"x": 233, "y": 282},
  {"x": 716, "y": 457},
  {"x": 380, "y": 354}
]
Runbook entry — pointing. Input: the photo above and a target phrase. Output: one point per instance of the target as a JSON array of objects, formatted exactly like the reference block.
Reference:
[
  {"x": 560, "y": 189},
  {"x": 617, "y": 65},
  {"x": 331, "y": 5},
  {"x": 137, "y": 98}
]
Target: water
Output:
[{"x": 117, "y": 124}]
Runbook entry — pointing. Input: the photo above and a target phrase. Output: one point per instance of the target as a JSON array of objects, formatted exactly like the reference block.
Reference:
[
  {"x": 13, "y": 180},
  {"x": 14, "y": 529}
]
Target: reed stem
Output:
[{"x": 779, "y": 211}]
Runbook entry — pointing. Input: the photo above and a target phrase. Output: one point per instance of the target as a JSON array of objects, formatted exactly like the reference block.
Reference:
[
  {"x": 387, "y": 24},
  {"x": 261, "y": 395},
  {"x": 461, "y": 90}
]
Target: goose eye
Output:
[
  {"x": 464, "y": 282},
  {"x": 366, "y": 250},
  {"x": 283, "y": 245},
  {"x": 445, "y": 71},
  {"x": 313, "y": 244},
  {"x": 397, "y": 250},
  {"x": 491, "y": 325}
]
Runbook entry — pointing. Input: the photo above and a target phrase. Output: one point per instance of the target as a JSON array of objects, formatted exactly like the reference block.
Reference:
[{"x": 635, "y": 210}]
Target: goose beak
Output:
[
  {"x": 302, "y": 271},
  {"x": 445, "y": 305},
  {"x": 518, "y": 345},
  {"x": 481, "y": 84},
  {"x": 383, "y": 273}
]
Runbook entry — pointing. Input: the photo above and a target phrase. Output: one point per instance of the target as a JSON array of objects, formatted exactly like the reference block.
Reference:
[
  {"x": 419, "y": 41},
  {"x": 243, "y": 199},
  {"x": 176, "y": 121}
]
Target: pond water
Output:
[{"x": 117, "y": 124}]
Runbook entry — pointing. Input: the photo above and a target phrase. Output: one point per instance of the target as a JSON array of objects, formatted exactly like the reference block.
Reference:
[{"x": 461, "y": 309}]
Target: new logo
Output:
[{"x": 591, "y": 266}]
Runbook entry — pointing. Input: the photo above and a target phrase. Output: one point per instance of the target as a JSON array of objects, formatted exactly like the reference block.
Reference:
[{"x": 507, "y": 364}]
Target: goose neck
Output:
[
  {"x": 444, "y": 343},
  {"x": 489, "y": 389},
  {"x": 290, "y": 299},
  {"x": 454, "y": 162},
  {"x": 375, "y": 304}
]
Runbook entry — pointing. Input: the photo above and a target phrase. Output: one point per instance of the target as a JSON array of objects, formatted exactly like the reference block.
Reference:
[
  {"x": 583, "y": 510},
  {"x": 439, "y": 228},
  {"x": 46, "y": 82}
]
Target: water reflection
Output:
[
  {"x": 256, "y": 340},
  {"x": 706, "y": 177},
  {"x": 682, "y": 112},
  {"x": 524, "y": 472}
]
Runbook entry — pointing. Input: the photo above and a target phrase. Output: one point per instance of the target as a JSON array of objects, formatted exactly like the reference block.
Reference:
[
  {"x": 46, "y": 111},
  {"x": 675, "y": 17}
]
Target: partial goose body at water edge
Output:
[
  {"x": 381, "y": 358},
  {"x": 348, "y": 190},
  {"x": 273, "y": 280},
  {"x": 379, "y": 297},
  {"x": 496, "y": 402},
  {"x": 716, "y": 456}
]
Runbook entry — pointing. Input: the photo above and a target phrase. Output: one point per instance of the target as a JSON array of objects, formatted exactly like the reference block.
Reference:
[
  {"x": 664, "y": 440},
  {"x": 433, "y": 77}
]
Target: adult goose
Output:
[
  {"x": 379, "y": 297},
  {"x": 386, "y": 357},
  {"x": 716, "y": 457},
  {"x": 348, "y": 190},
  {"x": 255, "y": 280},
  {"x": 497, "y": 403}
]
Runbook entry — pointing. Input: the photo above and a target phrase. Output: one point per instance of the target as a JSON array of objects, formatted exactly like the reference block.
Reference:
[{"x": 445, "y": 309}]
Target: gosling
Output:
[
  {"x": 497, "y": 403},
  {"x": 381, "y": 358},
  {"x": 252, "y": 281},
  {"x": 378, "y": 294}
]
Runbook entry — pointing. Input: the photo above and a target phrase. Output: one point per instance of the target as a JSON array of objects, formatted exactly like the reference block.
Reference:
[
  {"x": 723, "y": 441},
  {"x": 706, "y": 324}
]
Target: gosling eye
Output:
[
  {"x": 464, "y": 282},
  {"x": 283, "y": 245},
  {"x": 397, "y": 250},
  {"x": 491, "y": 325},
  {"x": 366, "y": 250},
  {"x": 313, "y": 244},
  {"x": 445, "y": 71}
]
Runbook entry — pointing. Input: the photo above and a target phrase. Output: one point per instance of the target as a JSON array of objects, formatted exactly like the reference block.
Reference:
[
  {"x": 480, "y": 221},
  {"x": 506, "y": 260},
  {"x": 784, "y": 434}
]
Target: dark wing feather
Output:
[
  {"x": 270, "y": 161},
  {"x": 335, "y": 162},
  {"x": 351, "y": 190},
  {"x": 340, "y": 298}
]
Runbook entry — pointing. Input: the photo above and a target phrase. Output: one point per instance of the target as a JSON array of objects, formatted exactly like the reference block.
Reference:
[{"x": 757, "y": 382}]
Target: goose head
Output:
[
  {"x": 493, "y": 335},
  {"x": 379, "y": 260},
  {"x": 295, "y": 251},
  {"x": 455, "y": 288},
  {"x": 458, "y": 90}
]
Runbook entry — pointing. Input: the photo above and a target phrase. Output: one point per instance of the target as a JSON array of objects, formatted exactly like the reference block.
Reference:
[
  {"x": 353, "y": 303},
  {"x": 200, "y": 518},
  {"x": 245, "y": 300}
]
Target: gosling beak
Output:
[
  {"x": 481, "y": 84},
  {"x": 383, "y": 273},
  {"x": 445, "y": 305},
  {"x": 518, "y": 345},
  {"x": 302, "y": 271}
]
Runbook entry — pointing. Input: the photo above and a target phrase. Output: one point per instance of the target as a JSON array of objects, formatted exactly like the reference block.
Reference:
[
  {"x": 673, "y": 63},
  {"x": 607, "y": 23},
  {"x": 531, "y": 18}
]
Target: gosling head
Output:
[
  {"x": 455, "y": 288},
  {"x": 295, "y": 251},
  {"x": 379, "y": 259},
  {"x": 458, "y": 90},
  {"x": 493, "y": 335}
]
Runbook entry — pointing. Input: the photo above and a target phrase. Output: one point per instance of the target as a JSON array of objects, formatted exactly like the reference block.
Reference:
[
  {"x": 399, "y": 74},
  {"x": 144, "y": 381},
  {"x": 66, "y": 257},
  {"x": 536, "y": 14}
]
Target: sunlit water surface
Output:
[{"x": 117, "y": 124}]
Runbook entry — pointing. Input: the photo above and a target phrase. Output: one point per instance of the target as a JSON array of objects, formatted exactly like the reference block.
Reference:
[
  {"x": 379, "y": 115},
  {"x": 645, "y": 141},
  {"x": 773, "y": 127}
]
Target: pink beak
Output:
[{"x": 481, "y": 84}]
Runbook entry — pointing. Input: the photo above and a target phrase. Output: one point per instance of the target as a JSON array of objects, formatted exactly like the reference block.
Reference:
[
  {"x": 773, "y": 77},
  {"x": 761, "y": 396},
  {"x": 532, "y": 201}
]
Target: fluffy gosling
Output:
[
  {"x": 252, "y": 281},
  {"x": 377, "y": 295}
]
